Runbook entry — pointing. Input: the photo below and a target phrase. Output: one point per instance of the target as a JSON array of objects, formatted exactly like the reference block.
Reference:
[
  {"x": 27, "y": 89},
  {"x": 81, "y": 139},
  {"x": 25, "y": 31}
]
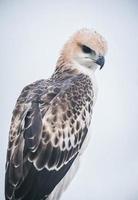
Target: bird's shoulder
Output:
[{"x": 47, "y": 89}]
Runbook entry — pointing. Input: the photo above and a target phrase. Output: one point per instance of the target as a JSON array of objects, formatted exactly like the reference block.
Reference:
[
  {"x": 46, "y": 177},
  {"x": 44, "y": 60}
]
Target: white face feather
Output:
[{"x": 85, "y": 62}]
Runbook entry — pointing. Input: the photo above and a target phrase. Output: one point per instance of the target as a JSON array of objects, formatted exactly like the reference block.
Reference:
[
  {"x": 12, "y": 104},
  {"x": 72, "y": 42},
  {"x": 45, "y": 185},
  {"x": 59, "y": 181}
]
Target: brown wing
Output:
[{"x": 50, "y": 135}]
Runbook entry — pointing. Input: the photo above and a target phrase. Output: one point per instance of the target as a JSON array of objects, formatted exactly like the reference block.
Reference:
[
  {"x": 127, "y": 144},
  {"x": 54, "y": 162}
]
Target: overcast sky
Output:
[{"x": 31, "y": 36}]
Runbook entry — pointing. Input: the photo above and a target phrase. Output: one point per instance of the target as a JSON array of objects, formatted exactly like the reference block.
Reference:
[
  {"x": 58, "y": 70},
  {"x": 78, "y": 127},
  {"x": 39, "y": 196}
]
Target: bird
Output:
[{"x": 49, "y": 126}]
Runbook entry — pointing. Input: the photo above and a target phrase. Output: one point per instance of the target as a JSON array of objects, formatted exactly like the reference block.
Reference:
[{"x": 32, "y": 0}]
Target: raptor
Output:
[{"x": 49, "y": 126}]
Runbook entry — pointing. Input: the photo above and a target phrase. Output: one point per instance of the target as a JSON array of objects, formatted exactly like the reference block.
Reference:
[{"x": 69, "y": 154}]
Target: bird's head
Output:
[{"x": 85, "y": 50}]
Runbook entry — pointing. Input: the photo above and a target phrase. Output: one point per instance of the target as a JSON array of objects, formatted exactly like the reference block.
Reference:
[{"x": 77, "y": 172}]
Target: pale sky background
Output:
[{"x": 31, "y": 36}]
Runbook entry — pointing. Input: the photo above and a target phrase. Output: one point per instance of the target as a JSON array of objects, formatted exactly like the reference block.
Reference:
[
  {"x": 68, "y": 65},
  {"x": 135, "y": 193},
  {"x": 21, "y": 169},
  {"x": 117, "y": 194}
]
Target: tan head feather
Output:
[{"x": 87, "y": 37}]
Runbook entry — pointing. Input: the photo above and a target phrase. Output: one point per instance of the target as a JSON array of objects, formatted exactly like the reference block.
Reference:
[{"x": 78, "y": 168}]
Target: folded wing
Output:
[{"x": 46, "y": 135}]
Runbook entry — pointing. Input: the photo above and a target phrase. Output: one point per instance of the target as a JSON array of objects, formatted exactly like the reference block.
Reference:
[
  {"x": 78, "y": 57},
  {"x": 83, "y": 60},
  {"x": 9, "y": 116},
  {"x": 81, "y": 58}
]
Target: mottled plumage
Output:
[{"x": 48, "y": 128}]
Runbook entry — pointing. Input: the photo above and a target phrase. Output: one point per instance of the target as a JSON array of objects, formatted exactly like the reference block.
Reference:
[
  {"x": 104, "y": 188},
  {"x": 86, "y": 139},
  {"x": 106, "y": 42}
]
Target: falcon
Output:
[{"x": 49, "y": 126}]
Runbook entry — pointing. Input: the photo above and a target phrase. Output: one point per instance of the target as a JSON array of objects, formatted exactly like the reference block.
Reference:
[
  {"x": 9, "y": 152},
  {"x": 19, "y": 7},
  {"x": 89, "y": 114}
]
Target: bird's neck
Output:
[
  {"x": 64, "y": 65},
  {"x": 68, "y": 69}
]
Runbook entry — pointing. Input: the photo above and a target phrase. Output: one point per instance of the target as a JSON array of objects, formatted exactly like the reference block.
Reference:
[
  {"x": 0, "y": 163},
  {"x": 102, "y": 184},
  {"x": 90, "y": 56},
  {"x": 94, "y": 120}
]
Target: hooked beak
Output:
[{"x": 100, "y": 61}]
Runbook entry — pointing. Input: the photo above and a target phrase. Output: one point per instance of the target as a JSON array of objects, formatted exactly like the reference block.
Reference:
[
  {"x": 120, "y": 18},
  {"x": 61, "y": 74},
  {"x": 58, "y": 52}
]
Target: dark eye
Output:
[{"x": 86, "y": 49}]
